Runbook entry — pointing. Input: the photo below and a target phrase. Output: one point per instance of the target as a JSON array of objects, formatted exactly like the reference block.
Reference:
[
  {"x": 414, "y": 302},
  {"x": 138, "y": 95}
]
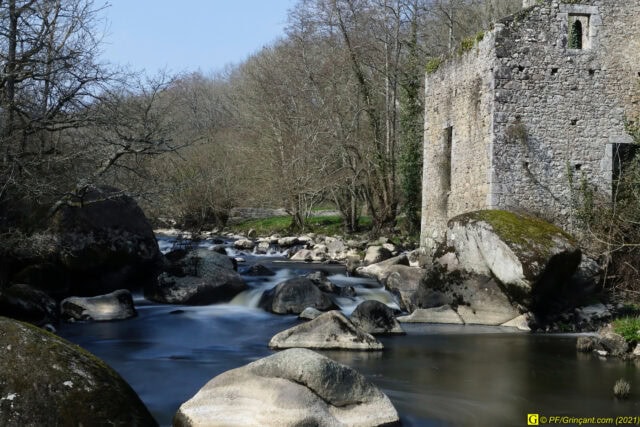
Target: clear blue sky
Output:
[{"x": 190, "y": 35}]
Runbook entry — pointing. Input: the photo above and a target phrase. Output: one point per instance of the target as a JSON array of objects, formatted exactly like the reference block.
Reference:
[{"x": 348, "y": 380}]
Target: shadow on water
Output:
[{"x": 435, "y": 375}]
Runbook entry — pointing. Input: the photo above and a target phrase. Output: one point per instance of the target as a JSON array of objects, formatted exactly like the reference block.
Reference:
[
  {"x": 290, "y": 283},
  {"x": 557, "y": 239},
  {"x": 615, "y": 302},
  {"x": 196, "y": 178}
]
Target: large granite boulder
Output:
[
  {"x": 201, "y": 277},
  {"x": 294, "y": 295},
  {"x": 48, "y": 381},
  {"x": 117, "y": 305},
  {"x": 295, "y": 387},
  {"x": 532, "y": 260},
  {"x": 330, "y": 330},
  {"x": 375, "y": 318},
  {"x": 22, "y": 302},
  {"x": 105, "y": 242}
]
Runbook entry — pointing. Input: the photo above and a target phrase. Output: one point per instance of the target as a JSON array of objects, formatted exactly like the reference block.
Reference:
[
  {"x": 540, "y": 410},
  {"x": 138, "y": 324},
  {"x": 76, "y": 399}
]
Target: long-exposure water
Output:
[{"x": 436, "y": 375}]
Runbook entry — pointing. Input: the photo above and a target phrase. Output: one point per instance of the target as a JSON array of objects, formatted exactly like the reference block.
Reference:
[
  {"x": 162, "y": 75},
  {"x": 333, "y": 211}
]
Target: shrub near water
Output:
[
  {"x": 622, "y": 389},
  {"x": 629, "y": 328}
]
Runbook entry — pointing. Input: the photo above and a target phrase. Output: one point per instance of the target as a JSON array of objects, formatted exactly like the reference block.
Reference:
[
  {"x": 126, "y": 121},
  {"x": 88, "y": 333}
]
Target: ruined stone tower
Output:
[{"x": 538, "y": 103}]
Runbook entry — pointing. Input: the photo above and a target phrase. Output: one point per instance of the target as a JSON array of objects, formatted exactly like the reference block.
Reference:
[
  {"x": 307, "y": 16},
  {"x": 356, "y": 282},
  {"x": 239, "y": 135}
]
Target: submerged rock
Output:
[
  {"x": 331, "y": 330},
  {"x": 117, "y": 305},
  {"x": 294, "y": 295},
  {"x": 375, "y": 317},
  {"x": 48, "y": 381},
  {"x": 294, "y": 387}
]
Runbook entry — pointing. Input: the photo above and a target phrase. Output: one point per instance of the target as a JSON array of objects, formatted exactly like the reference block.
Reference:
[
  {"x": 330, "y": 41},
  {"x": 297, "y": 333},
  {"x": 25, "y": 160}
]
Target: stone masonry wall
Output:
[
  {"x": 528, "y": 113},
  {"x": 559, "y": 112},
  {"x": 458, "y": 137}
]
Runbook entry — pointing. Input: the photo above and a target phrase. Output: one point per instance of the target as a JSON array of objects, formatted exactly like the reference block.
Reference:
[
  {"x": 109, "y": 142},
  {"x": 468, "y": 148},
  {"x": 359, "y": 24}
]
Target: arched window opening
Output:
[{"x": 575, "y": 35}]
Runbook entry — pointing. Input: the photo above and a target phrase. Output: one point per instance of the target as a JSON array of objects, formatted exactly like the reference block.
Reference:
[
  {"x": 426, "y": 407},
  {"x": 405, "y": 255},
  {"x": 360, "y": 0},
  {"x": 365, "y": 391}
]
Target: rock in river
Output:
[
  {"x": 295, "y": 387},
  {"x": 117, "y": 305},
  {"x": 202, "y": 277},
  {"x": 375, "y": 318},
  {"x": 47, "y": 381},
  {"x": 22, "y": 302},
  {"x": 329, "y": 331},
  {"x": 294, "y": 295}
]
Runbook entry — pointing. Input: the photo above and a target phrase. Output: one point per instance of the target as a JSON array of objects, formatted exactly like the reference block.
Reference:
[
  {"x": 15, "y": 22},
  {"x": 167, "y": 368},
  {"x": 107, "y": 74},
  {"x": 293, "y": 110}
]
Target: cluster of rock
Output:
[
  {"x": 496, "y": 268},
  {"x": 298, "y": 386},
  {"x": 333, "y": 330},
  {"x": 322, "y": 249},
  {"x": 608, "y": 343},
  {"x": 98, "y": 242}
]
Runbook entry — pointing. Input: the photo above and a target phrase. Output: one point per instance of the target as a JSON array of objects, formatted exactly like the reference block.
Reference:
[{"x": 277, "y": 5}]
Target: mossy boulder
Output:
[
  {"x": 532, "y": 259},
  {"x": 48, "y": 381}
]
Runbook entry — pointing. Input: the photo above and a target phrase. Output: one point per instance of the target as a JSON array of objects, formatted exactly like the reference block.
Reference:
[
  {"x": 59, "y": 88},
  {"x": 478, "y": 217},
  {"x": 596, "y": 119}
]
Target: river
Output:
[{"x": 436, "y": 375}]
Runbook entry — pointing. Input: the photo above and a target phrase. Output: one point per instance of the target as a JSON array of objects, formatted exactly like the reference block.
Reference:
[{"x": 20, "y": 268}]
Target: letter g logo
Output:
[{"x": 533, "y": 420}]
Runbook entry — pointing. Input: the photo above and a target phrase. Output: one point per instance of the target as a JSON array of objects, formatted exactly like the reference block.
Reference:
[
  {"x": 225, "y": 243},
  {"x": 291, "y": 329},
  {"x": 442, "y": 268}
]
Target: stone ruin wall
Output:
[
  {"x": 459, "y": 105},
  {"x": 559, "y": 111},
  {"x": 526, "y": 112}
]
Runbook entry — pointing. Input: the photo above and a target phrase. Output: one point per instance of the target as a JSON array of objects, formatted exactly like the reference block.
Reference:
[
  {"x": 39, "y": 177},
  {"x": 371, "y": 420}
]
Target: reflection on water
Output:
[{"x": 435, "y": 375}]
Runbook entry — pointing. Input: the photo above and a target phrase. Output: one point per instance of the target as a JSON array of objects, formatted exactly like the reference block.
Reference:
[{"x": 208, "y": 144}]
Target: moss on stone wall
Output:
[{"x": 433, "y": 64}]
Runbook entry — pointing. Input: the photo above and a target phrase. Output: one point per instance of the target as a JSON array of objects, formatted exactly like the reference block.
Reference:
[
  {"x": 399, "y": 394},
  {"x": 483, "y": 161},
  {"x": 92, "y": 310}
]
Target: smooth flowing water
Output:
[{"x": 435, "y": 375}]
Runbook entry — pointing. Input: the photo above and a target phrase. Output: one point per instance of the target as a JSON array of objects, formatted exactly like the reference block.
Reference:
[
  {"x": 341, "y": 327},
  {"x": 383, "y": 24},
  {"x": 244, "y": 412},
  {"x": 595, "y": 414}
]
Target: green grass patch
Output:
[
  {"x": 628, "y": 327},
  {"x": 264, "y": 226}
]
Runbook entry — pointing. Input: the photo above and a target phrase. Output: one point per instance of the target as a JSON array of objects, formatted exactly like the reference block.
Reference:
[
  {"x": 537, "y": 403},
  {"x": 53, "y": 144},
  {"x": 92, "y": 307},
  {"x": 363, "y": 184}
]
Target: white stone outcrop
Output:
[{"x": 291, "y": 388}]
